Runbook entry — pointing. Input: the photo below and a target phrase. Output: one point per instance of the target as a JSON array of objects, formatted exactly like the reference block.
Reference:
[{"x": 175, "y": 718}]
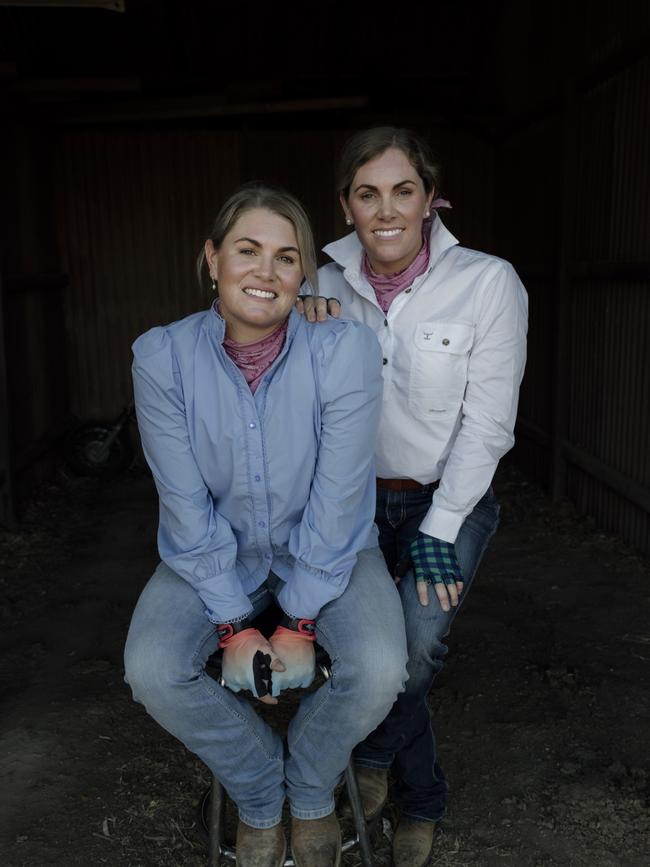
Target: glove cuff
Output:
[
  {"x": 303, "y": 626},
  {"x": 227, "y": 632}
]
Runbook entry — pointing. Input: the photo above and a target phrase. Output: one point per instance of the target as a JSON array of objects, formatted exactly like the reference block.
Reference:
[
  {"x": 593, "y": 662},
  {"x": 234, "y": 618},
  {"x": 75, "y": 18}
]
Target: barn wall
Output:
[
  {"x": 134, "y": 208},
  {"x": 577, "y": 225}
]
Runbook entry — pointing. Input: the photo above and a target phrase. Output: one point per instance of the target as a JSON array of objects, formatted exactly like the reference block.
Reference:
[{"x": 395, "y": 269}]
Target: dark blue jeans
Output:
[{"x": 405, "y": 739}]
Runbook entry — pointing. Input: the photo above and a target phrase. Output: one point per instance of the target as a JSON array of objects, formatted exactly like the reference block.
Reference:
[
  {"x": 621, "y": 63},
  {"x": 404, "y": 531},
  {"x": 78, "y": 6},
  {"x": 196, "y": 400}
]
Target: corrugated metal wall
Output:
[
  {"x": 32, "y": 302},
  {"x": 528, "y": 201},
  {"x": 134, "y": 208},
  {"x": 610, "y": 375},
  {"x": 585, "y": 408}
]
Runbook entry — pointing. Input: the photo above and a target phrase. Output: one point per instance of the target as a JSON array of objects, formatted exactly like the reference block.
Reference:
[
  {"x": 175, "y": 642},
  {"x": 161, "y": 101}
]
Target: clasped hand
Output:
[{"x": 266, "y": 667}]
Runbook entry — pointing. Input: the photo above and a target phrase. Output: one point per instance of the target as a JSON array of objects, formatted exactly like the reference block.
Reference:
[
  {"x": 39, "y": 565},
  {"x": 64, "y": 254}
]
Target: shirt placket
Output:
[{"x": 258, "y": 482}]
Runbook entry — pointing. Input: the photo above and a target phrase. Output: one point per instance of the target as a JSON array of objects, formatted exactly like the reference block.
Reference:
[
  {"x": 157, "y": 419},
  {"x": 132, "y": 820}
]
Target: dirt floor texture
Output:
[{"x": 541, "y": 712}]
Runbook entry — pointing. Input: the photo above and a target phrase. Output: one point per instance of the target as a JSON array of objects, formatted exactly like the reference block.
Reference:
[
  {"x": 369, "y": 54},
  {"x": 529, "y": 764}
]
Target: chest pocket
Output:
[{"x": 440, "y": 356}]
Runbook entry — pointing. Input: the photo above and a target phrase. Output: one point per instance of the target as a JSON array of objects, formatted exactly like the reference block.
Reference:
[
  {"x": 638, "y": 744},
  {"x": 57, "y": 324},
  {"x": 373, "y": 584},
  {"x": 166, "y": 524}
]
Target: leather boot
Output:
[
  {"x": 260, "y": 847},
  {"x": 316, "y": 842},
  {"x": 373, "y": 788},
  {"x": 413, "y": 843}
]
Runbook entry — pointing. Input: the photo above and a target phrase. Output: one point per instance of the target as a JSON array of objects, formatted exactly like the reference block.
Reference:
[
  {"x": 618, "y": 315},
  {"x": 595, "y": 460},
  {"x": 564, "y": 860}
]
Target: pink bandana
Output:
[
  {"x": 254, "y": 359},
  {"x": 388, "y": 286}
]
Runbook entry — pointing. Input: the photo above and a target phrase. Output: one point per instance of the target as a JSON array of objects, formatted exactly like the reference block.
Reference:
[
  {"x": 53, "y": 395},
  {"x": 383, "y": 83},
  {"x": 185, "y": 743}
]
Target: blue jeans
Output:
[
  {"x": 405, "y": 739},
  {"x": 170, "y": 640}
]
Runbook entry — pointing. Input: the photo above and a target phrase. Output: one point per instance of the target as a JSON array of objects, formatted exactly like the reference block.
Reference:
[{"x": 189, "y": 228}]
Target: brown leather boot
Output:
[
  {"x": 413, "y": 843},
  {"x": 373, "y": 788},
  {"x": 316, "y": 842},
  {"x": 260, "y": 847}
]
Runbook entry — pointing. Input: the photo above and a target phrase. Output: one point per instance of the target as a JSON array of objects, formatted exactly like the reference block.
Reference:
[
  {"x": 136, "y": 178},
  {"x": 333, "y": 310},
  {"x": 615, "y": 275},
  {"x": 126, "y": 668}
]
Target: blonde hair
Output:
[
  {"x": 276, "y": 200},
  {"x": 370, "y": 143}
]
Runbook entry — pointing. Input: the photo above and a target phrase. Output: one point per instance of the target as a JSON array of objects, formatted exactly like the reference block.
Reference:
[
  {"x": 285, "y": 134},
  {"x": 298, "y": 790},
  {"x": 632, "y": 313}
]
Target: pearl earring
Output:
[
  {"x": 214, "y": 285},
  {"x": 427, "y": 213},
  {"x": 348, "y": 221}
]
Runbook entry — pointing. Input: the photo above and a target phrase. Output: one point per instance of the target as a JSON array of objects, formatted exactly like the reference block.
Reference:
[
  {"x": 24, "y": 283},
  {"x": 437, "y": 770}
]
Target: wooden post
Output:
[
  {"x": 563, "y": 298},
  {"x": 7, "y": 515}
]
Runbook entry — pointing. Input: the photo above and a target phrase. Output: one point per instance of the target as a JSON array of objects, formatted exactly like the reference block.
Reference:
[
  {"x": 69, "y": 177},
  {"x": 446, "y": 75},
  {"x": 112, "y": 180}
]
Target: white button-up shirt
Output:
[{"x": 454, "y": 347}]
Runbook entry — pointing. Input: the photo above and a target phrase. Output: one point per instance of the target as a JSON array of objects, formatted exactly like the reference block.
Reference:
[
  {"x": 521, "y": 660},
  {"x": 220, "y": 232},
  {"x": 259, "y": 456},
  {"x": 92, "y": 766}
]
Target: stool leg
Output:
[
  {"x": 360, "y": 823},
  {"x": 216, "y": 821}
]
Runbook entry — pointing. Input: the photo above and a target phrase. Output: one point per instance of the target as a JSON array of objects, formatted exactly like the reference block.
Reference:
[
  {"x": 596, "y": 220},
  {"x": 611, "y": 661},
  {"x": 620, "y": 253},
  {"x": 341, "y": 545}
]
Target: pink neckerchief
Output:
[
  {"x": 388, "y": 286},
  {"x": 254, "y": 359}
]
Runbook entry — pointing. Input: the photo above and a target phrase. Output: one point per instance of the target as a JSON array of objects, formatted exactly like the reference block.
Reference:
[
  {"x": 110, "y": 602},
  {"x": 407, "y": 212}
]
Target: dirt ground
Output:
[{"x": 541, "y": 712}]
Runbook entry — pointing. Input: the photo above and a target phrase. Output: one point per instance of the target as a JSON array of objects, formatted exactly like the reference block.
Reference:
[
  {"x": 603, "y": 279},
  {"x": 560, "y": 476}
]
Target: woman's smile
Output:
[
  {"x": 387, "y": 204},
  {"x": 259, "y": 271}
]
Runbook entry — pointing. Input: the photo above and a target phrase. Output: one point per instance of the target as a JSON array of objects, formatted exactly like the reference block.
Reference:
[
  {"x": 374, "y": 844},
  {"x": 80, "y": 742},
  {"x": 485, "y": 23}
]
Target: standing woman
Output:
[
  {"x": 452, "y": 326},
  {"x": 256, "y": 428}
]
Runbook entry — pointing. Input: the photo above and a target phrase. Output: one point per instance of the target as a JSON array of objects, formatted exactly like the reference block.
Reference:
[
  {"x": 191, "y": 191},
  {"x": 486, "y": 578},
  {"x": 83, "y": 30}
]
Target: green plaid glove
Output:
[{"x": 434, "y": 561}]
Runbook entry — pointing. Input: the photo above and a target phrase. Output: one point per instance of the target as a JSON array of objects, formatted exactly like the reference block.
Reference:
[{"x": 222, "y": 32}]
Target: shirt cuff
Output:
[
  {"x": 307, "y": 591},
  {"x": 223, "y": 597},
  {"x": 442, "y": 524}
]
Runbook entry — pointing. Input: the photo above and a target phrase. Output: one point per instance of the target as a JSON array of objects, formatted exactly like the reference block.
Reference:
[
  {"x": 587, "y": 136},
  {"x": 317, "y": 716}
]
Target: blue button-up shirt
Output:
[{"x": 282, "y": 480}]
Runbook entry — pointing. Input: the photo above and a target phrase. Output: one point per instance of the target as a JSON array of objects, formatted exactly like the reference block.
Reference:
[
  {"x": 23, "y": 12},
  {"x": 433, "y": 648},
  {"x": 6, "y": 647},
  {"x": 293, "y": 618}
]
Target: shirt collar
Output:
[
  {"x": 216, "y": 325},
  {"x": 347, "y": 251}
]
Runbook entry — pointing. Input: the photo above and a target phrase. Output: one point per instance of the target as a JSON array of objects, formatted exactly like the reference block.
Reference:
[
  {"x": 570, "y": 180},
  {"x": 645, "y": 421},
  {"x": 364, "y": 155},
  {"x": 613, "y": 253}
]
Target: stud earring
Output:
[
  {"x": 427, "y": 213},
  {"x": 348, "y": 221},
  {"x": 214, "y": 285}
]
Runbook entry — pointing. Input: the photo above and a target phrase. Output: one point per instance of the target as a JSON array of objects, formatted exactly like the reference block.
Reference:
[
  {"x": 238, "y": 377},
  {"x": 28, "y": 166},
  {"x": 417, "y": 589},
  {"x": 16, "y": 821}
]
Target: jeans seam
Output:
[
  {"x": 317, "y": 706},
  {"x": 312, "y": 813},
  {"x": 370, "y": 763},
  {"x": 255, "y": 823},
  {"x": 206, "y": 682}
]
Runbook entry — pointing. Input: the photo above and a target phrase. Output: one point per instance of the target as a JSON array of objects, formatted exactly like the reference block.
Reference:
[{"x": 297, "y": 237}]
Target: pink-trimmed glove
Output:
[
  {"x": 249, "y": 661},
  {"x": 293, "y": 642}
]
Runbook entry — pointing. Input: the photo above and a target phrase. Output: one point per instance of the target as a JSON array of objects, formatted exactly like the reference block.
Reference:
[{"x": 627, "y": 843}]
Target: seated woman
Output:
[{"x": 259, "y": 431}]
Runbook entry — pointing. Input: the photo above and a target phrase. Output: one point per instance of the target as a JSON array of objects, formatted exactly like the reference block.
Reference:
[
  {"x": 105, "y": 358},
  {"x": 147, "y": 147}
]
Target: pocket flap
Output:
[{"x": 451, "y": 337}]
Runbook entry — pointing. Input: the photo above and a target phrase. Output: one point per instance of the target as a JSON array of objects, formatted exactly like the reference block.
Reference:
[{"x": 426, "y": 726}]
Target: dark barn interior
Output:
[{"x": 125, "y": 126}]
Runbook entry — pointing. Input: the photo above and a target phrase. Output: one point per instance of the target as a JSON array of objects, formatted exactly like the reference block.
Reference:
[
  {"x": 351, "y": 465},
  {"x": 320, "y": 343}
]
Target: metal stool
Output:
[{"x": 214, "y": 817}]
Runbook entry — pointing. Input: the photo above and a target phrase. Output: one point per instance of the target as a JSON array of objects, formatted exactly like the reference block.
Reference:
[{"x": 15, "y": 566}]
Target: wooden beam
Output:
[
  {"x": 533, "y": 432},
  {"x": 626, "y": 487},
  {"x": 110, "y": 5},
  {"x": 199, "y": 107},
  {"x": 629, "y": 489},
  {"x": 7, "y": 514},
  {"x": 74, "y": 85},
  {"x": 563, "y": 297}
]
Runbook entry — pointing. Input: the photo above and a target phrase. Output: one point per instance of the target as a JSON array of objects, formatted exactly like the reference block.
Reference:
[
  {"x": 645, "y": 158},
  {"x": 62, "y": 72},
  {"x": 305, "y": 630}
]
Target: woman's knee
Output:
[
  {"x": 152, "y": 669},
  {"x": 374, "y": 674}
]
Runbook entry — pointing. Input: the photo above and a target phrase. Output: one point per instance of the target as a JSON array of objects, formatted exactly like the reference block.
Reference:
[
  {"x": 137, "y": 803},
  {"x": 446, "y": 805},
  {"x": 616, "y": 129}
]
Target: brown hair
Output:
[
  {"x": 276, "y": 200},
  {"x": 370, "y": 143}
]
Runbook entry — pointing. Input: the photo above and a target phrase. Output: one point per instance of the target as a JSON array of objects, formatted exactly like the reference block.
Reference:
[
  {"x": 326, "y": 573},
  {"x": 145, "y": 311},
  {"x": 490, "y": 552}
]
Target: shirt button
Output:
[
  {"x": 252, "y": 424},
  {"x": 261, "y": 524},
  {"x": 386, "y": 322},
  {"x": 408, "y": 290},
  {"x": 385, "y": 361},
  {"x": 445, "y": 342},
  {"x": 258, "y": 478}
]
